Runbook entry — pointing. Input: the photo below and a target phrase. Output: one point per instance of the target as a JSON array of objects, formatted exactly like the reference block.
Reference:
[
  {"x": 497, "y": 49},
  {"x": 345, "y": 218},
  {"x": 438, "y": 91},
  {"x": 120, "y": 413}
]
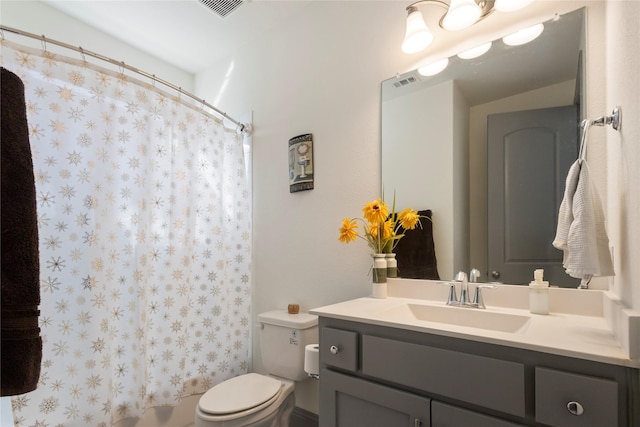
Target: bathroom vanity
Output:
[{"x": 416, "y": 362}]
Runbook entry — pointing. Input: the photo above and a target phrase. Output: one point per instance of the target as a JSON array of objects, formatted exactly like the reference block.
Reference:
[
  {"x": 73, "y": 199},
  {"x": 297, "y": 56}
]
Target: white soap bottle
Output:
[{"x": 539, "y": 294}]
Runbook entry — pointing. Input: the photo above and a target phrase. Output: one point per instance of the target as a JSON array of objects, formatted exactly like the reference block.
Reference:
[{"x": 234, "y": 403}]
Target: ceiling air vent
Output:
[
  {"x": 405, "y": 81},
  {"x": 222, "y": 7}
]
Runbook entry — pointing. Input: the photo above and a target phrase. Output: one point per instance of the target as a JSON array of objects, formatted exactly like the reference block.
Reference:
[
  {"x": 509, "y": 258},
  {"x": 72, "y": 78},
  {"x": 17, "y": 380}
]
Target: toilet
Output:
[{"x": 258, "y": 400}]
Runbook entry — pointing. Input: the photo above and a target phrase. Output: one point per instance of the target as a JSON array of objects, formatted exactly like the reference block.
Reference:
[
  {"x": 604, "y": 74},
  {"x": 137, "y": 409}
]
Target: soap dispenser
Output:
[{"x": 539, "y": 294}]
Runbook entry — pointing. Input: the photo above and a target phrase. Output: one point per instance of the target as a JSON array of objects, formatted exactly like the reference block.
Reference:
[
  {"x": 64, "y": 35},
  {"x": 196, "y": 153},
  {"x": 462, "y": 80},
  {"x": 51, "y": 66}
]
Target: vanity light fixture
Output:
[
  {"x": 433, "y": 68},
  {"x": 523, "y": 36},
  {"x": 460, "y": 14},
  {"x": 475, "y": 51}
]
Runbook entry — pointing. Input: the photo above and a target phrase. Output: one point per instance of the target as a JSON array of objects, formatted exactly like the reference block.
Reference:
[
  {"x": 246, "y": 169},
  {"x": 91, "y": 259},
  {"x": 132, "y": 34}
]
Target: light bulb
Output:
[
  {"x": 417, "y": 36},
  {"x": 461, "y": 14},
  {"x": 433, "y": 68},
  {"x": 475, "y": 52},
  {"x": 523, "y": 36}
]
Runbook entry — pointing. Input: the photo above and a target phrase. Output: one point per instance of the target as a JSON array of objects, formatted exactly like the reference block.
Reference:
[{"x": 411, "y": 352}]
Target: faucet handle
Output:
[
  {"x": 452, "y": 299},
  {"x": 478, "y": 301},
  {"x": 461, "y": 276}
]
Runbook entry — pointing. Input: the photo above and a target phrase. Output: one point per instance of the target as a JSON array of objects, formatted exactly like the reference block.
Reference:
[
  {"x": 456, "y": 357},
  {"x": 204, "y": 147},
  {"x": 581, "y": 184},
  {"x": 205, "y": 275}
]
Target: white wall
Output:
[
  {"x": 623, "y": 148},
  {"x": 322, "y": 75}
]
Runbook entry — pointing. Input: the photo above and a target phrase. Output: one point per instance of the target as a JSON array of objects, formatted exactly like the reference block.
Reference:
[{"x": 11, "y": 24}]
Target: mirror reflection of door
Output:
[{"x": 529, "y": 155}]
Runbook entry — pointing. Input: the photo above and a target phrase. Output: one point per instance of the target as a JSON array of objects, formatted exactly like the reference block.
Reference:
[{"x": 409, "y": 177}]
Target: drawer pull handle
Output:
[
  {"x": 575, "y": 408},
  {"x": 334, "y": 350}
]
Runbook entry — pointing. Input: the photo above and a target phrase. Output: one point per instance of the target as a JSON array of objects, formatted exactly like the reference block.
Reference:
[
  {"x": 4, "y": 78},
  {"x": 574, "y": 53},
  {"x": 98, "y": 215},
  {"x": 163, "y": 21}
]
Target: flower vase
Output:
[
  {"x": 379, "y": 285},
  {"x": 392, "y": 265}
]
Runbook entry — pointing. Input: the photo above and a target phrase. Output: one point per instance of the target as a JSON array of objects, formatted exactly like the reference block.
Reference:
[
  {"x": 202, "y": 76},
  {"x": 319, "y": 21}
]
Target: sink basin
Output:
[{"x": 459, "y": 316}]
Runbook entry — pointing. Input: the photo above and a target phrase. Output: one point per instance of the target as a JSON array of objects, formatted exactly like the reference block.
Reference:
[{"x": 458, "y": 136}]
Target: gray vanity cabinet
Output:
[{"x": 374, "y": 376}]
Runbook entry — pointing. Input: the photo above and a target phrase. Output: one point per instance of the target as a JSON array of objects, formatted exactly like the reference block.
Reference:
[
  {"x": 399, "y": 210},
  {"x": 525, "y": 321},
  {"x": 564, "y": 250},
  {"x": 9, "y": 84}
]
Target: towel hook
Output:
[{"x": 615, "y": 119}]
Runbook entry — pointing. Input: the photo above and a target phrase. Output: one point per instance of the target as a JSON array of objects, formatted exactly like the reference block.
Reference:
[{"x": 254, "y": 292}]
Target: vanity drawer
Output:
[
  {"x": 339, "y": 348},
  {"x": 483, "y": 381},
  {"x": 594, "y": 401},
  {"x": 443, "y": 415}
]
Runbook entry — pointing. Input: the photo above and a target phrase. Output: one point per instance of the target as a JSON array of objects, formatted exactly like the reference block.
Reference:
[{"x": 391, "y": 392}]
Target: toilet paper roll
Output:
[{"x": 312, "y": 359}]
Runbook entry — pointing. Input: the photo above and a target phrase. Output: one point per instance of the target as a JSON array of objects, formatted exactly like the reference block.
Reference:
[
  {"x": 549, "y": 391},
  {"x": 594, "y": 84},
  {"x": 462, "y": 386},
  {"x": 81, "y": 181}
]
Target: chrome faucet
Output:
[
  {"x": 463, "y": 301},
  {"x": 464, "y": 287},
  {"x": 474, "y": 275}
]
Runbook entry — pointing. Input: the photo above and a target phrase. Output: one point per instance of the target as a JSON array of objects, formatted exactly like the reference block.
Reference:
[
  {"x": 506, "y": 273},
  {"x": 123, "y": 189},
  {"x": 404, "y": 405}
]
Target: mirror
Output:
[{"x": 434, "y": 136}]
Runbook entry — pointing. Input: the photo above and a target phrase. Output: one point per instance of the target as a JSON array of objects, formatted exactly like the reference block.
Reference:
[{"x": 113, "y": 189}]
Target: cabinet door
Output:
[
  {"x": 565, "y": 399},
  {"x": 443, "y": 415},
  {"x": 347, "y": 401}
]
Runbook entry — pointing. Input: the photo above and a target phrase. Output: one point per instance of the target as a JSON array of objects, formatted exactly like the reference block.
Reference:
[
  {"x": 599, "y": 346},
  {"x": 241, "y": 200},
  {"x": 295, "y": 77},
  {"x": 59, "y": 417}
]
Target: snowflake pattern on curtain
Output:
[{"x": 144, "y": 216}]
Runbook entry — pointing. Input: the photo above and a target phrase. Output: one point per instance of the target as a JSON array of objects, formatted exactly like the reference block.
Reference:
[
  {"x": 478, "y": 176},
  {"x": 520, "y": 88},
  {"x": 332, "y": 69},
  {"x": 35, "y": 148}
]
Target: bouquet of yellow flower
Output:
[{"x": 380, "y": 228}]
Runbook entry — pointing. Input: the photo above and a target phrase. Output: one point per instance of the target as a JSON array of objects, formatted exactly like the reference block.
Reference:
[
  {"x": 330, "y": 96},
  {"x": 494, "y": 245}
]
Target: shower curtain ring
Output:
[
  {"x": 122, "y": 66},
  {"x": 44, "y": 43},
  {"x": 84, "y": 58}
]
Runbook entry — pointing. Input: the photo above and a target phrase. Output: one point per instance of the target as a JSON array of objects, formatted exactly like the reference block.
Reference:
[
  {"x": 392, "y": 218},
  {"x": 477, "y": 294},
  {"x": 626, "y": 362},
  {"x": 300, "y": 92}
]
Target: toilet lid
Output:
[{"x": 239, "y": 394}]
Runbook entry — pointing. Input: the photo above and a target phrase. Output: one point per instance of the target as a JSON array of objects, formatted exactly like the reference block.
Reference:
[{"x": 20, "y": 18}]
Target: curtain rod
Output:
[{"x": 243, "y": 127}]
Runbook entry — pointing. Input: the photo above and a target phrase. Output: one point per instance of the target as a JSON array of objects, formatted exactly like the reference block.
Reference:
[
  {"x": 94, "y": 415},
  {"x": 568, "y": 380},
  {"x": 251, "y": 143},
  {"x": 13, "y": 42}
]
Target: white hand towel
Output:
[{"x": 581, "y": 232}]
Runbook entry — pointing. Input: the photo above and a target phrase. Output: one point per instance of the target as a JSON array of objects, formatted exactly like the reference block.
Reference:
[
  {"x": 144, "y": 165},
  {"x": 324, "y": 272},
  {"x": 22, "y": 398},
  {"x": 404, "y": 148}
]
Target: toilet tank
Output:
[{"x": 283, "y": 338}]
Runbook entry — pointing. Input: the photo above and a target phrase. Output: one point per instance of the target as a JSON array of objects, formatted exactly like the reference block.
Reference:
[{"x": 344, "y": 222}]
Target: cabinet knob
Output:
[
  {"x": 575, "y": 408},
  {"x": 417, "y": 422},
  {"x": 334, "y": 350}
]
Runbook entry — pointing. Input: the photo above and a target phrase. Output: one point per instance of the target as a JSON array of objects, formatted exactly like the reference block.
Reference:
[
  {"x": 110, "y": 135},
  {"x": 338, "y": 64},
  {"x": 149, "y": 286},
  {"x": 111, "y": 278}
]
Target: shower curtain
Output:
[{"x": 144, "y": 218}]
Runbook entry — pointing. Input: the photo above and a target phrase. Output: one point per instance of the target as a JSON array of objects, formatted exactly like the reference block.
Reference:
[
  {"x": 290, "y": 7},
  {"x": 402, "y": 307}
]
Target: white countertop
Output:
[{"x": 576, "y": 325}]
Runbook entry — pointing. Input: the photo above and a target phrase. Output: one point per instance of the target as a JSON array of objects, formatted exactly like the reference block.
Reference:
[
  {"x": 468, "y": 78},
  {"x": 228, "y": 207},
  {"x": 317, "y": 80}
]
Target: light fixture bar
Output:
[
  {"x": 485, "y": 5},
  {"x": 460, "y": 14}
]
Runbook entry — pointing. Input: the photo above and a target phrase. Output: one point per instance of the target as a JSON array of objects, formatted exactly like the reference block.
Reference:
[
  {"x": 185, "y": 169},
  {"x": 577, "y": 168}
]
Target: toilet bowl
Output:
[
  {"x": 258, "y": 400},
  {"x": 247, "y": 400}
]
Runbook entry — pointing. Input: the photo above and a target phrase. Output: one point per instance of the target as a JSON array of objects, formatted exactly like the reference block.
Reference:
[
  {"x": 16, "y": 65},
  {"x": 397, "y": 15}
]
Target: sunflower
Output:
[
  {"x": 387, "y": 230},
  {"x": 348, "y": 231},
  {"x": 376, "y": 212},
  {"x": 408, "y": 218}
]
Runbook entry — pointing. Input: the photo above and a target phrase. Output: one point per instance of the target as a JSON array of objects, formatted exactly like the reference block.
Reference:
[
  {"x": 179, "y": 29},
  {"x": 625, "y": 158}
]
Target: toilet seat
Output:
[{"x": 242, "y": 395}]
